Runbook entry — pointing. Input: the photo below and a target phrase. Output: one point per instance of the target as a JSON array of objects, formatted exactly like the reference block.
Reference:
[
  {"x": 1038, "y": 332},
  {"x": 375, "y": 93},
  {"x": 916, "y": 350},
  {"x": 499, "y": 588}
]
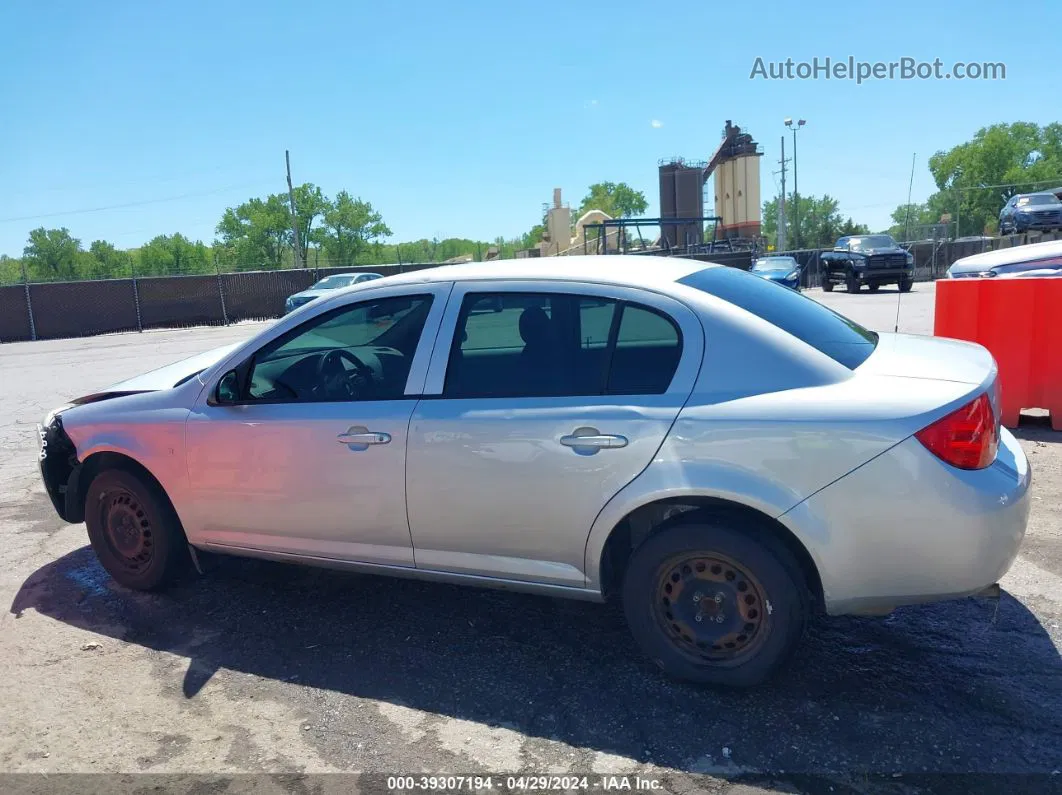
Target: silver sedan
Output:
[{"x": 725, "y": 455}]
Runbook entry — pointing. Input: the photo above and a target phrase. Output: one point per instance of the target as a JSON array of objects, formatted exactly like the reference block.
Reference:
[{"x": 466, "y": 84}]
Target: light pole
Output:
[{"x": 796, "y": 195}]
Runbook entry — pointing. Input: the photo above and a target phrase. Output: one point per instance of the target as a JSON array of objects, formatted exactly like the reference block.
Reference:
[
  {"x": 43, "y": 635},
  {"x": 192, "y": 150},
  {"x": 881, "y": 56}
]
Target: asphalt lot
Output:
[{"x": 261, "y": 667}]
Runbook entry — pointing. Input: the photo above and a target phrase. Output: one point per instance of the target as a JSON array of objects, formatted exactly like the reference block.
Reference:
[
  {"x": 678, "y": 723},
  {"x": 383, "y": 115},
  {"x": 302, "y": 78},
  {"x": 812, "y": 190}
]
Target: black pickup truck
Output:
[{"x": 872, "y": 260}]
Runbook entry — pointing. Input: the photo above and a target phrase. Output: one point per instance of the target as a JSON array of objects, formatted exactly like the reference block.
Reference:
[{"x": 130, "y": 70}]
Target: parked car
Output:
[
  {"x": 325, "y": 286},
  {"x": 872, "y": 260},
  {"x": 1040, "y": 211},
  {"x": 726, "y": 456},
  {"x": 1035, "y": 259},
  {"x": 783, "y": 270}
]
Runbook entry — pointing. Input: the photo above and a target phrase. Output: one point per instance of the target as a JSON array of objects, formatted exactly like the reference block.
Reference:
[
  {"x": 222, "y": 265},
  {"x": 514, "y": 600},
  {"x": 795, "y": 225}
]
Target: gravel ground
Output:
[{"x": 266, "y": 668}]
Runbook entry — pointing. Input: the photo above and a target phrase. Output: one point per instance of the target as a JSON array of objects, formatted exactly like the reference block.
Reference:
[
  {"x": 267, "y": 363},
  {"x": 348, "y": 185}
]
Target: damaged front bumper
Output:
[{"x": 60, "y": 468}]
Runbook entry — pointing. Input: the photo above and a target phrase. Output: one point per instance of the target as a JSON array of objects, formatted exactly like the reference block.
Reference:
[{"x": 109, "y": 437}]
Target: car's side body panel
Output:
[{"x": 491, "y": 488}]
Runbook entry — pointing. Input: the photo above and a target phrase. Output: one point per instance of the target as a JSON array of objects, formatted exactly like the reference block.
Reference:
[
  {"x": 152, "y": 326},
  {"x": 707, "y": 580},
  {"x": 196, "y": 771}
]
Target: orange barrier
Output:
[{"x": 1020, "y": 322}]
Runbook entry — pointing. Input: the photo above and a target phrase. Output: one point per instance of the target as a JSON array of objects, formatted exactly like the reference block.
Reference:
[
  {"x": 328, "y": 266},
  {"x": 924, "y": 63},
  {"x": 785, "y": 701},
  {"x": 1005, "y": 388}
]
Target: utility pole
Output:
[
  {"x": 796, "y": 193},
  {"x": 299, "y": 261},
  {"x": 781, "y": 203}
]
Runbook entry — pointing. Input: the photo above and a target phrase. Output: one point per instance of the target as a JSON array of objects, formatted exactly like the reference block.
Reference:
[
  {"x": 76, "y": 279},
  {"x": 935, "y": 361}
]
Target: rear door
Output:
[{"x": 542, "y": 401}]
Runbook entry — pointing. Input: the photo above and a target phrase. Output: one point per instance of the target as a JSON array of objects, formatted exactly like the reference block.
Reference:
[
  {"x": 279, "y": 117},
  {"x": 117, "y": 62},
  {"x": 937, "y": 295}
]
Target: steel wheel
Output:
[
  {"x": 127, "y": 530},
  {"x": 710, "y": 608}
]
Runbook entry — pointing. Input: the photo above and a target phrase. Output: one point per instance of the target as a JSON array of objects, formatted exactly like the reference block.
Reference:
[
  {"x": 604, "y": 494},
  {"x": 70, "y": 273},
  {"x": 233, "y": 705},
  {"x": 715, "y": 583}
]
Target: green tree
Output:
[
  {"x": 173, "y": 255},
  {"x": 10, "y": 270},
  {"x": 255, "y": 234},
  {"x": 619, "y": 200},
  {"x": 310, "y": 205},
  {"x": 913, "y": 225},
  {"x": 820, "y": 219},
  {"x": 349, "y": 229},
  {"x": 104, "y": 261},
  {"x": 52, "y": 255},
  {"x": 1021, "y": 157}
]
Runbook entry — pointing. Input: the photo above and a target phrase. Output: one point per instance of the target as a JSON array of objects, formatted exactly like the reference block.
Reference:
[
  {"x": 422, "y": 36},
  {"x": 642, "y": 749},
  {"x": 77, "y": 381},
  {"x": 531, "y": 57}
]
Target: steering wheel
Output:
[{"x": 335, "y": 381}]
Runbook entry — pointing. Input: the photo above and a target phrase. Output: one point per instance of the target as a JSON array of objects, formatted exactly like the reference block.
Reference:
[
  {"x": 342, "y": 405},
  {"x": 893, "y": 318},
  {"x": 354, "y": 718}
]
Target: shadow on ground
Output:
[{"x": 962, "y": 686}]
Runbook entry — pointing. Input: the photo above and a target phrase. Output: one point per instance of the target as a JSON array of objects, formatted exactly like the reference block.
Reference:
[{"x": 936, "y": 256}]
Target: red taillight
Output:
[{"x": 967, "y": 438}]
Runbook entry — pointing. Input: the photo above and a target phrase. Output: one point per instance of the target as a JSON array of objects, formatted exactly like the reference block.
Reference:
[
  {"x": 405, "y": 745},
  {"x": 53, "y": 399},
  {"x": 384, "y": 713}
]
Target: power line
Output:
[{"x": 128, "y": 205}]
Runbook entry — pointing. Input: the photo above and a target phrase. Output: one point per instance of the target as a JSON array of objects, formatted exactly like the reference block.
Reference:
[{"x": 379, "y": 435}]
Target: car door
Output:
[
  {"x": 300, "y": 448},
  {"x": 542, "y": 401}
]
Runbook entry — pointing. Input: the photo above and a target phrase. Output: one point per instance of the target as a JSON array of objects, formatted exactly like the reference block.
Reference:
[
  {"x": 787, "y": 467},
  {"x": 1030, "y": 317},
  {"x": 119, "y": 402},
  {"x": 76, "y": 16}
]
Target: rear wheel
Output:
[
  {"x": 714, "y": 604},
  {"x": 134, "y": 531},
  {"x": 851, "y": 282}
]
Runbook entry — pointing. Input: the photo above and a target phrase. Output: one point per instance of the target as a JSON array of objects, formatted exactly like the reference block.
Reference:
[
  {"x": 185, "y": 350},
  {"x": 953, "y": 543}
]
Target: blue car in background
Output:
[
  {"x": 784, "y": 270},
  {"x": 325, "y": 285}
]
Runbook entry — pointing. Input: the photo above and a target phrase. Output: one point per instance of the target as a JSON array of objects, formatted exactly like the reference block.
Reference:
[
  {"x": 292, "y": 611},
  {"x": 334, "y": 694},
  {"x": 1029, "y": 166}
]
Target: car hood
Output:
[
  {"x": 164, "y": 377},
  {"x": 870, "y": 252},
  {"x": 1039, "y": 209},
  {"x": 311, "y": 294}
]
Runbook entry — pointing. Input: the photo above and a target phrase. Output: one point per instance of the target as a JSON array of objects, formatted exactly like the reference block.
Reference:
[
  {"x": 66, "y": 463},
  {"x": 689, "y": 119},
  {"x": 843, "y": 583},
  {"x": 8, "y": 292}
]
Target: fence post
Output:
[
  {"x": 29, "y": 304},
  {"x": 136, "y": 297},
  {"x": 221, "y": 290}
]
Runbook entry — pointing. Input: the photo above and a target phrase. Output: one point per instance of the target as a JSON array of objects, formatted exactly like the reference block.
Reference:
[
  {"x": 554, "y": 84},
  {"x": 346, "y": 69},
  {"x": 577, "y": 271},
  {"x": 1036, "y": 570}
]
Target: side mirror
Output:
[{"x": 228, "y": 390}]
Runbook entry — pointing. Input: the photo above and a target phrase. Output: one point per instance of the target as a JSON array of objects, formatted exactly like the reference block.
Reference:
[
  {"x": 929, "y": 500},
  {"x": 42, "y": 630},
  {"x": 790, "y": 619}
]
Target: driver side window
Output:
[{"x": 359, "y": 352}]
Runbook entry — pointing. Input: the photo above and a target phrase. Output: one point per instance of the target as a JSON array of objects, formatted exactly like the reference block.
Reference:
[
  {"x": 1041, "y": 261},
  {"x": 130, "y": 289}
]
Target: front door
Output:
[
  {"x": 302, "y": 449},
  {"x": 549, "y": 400}
]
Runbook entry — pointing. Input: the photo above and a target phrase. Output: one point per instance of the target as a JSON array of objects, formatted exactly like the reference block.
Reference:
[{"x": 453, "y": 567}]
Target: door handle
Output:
[
  {"x": 359, "y": 437},
  {"x": 601, "y": 441}
]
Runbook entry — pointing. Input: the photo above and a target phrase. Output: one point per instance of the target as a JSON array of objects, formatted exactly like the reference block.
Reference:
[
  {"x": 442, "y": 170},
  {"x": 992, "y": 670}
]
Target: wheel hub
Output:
[
  {"x": 709, "y": 607},
  {"x": 128, "y": 529}
]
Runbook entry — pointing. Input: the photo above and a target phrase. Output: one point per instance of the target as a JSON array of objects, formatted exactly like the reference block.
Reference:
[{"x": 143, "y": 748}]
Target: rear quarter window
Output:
[{"x": 831, "y": 333}]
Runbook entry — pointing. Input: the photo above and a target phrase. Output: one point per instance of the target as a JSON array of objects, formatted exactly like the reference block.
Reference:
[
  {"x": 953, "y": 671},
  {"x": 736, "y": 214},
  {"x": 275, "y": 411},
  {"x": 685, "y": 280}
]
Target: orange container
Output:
[{"x": 1020, "y": 322}]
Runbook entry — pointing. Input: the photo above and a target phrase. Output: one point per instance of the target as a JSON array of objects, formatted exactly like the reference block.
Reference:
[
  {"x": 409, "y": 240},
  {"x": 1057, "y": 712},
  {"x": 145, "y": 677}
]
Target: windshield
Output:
[
  {"x": 774, "y": 264},
  {"x": 827, "y": 331},
  {"x": 866, "y": 242},
  {"x": 1039, "y": 198},
  {"x": 334, "y": 282}
]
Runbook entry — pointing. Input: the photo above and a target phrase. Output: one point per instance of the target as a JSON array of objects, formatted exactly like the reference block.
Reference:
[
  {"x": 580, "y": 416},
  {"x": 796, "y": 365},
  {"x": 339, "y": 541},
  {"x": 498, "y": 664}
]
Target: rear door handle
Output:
[
  {"x": 359, "y": 437},
  {"x": 601, "y": 441}
]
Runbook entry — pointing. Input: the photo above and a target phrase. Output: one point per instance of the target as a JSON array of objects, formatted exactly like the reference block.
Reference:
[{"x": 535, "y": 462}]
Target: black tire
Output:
[
  {"x": 758, "y": 578},
  {"x": 873, "y": 287},
  {"x": 906, "y": 285},
  {"x": 827, "y": 285},
  {"x": 134, "y": 530},
  {"x": 851, "y": 283}
]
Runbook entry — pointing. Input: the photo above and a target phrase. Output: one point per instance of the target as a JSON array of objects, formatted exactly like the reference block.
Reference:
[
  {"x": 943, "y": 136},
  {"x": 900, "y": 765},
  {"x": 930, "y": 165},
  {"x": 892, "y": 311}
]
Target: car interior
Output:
[{"x": 362, "y": 352}]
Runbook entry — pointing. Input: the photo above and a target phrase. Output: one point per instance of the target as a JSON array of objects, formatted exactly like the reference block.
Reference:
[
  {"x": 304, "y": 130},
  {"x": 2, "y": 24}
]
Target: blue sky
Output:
[{"x": 459, "y": 118}]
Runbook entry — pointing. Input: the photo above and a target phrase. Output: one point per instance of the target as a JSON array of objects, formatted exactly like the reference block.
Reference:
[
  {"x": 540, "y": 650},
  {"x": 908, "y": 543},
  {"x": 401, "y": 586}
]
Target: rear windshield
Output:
[{"x": 823, "y": 329}]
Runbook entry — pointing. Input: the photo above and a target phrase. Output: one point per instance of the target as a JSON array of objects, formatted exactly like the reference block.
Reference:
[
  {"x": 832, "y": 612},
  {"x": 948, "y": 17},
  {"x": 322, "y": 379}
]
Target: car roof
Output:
[
  {"x": 1036, "y": 193},
  {"x": 1013, "y": 255},
  {"x": 620, "y": 269}
]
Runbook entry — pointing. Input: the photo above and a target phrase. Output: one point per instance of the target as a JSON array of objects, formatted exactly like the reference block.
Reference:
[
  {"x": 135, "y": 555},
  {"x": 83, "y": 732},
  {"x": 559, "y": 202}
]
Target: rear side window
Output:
[
  {"x": 827, "y": 331},
  {"x": 552, "y": 345}
]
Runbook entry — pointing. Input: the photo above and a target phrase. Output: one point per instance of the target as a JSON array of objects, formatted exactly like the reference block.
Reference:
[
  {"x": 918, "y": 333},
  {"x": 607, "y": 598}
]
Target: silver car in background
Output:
[
  {"x": 723, "y": 453},
  {"x": 1034, "y": 259}
]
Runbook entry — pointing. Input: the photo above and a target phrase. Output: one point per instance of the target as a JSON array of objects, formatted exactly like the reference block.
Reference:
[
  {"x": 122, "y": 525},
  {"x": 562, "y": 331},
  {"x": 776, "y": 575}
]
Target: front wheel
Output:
[
  {"x": 134, "y": 531},
  {"x": 714, "y": 604},
  {"x": 851, "y": 282},
  {"x": 827, "y": 286},
  {"x": 906, "y": 285}
]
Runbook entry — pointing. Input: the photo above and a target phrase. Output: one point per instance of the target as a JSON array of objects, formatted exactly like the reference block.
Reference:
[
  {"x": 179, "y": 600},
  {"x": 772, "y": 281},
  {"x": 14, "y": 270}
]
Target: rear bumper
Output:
[{"x": 907, "y": 528}]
